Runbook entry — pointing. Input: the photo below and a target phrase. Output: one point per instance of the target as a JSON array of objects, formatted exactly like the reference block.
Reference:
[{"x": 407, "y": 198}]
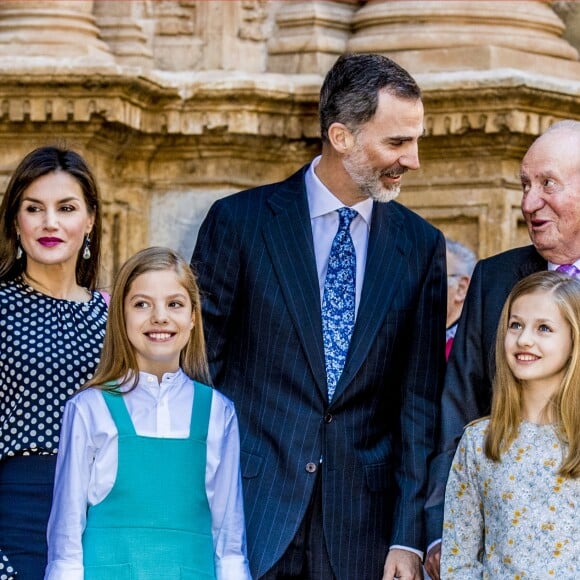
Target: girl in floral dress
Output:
[{"x": 512, "y": 497}]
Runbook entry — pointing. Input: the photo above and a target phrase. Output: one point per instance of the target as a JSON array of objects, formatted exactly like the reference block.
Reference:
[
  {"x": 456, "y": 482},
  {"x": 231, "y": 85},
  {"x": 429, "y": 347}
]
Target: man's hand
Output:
[
  {"x": 402, "y": 564},
  {"x": 433, "y": 562}
]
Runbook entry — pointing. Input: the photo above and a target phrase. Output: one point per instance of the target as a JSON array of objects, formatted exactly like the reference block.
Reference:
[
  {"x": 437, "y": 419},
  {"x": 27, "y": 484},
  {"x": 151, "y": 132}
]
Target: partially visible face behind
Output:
[
  {"x": 550, "y": 176},
  {"x": 538, "y": 342},
  {"x": 159, "y": 320},
  {"x": 454, "y": 273},
  {"x": 53, "y": 220},
  {"x": 386, "y": 147}
]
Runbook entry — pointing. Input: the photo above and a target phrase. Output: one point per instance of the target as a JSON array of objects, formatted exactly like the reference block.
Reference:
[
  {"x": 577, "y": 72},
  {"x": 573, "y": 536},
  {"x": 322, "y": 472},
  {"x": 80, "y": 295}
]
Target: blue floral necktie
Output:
[{"x": 338, "y": 299}]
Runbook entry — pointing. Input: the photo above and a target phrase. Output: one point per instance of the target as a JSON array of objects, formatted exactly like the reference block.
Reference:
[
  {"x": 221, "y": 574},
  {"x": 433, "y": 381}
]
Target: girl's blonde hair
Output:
[
  {"x": 118, "y": 361},
  {"x": 564, "y": 406}
]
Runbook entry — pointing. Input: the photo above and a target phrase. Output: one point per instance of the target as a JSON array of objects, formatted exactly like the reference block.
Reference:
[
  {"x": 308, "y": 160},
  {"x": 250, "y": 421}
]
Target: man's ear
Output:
[{"x": 340, "y": 137}]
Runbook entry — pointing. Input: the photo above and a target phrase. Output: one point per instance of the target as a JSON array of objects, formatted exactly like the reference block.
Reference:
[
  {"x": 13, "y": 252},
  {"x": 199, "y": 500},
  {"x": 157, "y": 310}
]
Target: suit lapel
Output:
[
  {"x": 288, "y": 238},
  {"x": 534, "y": 263},
  {"x": 386, "y": 257}
]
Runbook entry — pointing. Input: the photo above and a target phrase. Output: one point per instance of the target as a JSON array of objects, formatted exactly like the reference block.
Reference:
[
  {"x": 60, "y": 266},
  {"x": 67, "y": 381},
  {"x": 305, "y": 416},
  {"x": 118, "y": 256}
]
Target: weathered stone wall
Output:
[{"x": 175, "y": 103}]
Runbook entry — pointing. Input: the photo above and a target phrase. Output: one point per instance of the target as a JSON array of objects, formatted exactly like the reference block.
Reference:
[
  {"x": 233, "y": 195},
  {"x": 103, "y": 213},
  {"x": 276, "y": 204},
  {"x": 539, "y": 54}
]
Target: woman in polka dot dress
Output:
[{"x": 52, "y": 324}]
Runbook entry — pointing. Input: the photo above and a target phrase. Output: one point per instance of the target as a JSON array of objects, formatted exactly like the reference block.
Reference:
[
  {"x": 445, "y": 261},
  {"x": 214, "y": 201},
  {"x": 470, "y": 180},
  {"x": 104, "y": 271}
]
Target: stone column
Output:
[
  {"x": 121, "y": 29},
  {"x": 464, "y": 35},
  {"x": 310, "y": 35},
  {"x": 51, "y": 29}
]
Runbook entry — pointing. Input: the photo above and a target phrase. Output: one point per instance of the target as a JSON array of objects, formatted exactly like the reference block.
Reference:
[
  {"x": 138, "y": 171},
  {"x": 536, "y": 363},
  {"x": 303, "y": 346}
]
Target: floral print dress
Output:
[{"x": 514, "y": 519}]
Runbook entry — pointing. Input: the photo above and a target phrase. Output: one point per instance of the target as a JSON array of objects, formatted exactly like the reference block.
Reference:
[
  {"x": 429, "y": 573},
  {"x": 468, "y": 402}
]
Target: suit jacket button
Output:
[
  {"x": 328, "y": 418},
  {"x": 311, "y": 467}
]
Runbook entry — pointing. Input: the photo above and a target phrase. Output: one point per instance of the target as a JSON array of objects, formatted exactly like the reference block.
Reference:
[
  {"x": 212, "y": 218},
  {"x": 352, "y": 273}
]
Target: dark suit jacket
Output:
[
  {"x": 467, "y": 389},
  {"x": 255, "y": 261}
]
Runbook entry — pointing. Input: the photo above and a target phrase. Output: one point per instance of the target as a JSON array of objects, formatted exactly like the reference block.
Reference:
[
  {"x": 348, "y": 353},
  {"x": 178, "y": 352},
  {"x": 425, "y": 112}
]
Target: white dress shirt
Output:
[
  {"x": 87, "y": 468},
  {"x": 324, "y": 220}
]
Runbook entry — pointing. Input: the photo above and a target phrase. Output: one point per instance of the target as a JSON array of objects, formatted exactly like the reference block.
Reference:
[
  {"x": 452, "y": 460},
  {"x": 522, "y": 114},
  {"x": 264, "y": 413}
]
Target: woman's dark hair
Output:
[{"x": 37, "y": 163}]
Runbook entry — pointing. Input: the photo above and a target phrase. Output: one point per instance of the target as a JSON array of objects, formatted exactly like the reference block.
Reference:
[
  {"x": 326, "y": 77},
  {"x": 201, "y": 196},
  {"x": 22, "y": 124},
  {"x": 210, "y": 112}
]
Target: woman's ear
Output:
[{"x": 90, "y": 224}]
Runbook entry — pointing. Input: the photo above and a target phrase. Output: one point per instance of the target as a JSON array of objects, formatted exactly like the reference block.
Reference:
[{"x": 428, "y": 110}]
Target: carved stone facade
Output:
[{"x": 175, "y": 103}]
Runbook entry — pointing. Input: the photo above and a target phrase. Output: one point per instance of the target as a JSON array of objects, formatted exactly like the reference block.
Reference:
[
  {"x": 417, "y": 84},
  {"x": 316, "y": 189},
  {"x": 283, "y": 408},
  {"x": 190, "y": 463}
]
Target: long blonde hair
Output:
[
  {"x": 564, "y": 405},
  {"x": 118, "y": 361}
]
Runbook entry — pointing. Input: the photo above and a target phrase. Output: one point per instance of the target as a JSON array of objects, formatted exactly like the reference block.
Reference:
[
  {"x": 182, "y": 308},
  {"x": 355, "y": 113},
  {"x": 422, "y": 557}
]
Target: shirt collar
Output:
[
  {"x": 552, "y": 266},
  {"x": 322, "y": 201},
  {"x": 152, "y": 385}
]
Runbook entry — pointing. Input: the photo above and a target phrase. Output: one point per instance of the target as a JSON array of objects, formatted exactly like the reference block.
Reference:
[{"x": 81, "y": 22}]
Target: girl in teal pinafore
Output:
[{"x": 148, "y": 480}]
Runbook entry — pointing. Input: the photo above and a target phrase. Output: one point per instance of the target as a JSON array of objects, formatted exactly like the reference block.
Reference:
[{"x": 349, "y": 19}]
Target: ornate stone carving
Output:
[
  {"x": 176, "y": 44},
  {"x": 254, "y": 16}
]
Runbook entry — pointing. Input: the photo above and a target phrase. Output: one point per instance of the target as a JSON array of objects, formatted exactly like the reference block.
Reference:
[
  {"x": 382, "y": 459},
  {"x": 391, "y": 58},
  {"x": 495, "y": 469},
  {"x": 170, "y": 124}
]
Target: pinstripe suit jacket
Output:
[
  {"x": 255, "y": 262},
  {"x": 467, "y": 388}
]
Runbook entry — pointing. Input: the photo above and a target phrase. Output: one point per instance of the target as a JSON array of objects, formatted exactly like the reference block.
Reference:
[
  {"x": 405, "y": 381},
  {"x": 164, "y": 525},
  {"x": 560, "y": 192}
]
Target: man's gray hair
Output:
[{"x": 463, "y": 254}]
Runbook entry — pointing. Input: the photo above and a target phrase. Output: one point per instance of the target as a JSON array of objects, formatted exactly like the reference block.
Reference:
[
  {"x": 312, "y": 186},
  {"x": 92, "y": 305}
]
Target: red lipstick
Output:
[{"x": 49, "y": 242}]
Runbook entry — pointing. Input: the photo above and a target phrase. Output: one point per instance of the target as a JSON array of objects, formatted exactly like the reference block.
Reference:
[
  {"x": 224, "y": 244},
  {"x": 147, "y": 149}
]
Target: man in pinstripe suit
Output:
[{"x": 333, "y": 487}]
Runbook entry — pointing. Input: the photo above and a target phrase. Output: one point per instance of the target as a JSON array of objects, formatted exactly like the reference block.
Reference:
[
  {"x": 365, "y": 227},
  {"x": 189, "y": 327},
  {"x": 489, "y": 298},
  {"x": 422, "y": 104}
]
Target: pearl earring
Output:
[
  {"x": 87, "y": 251},
  {"x": 18, "y": 248}
]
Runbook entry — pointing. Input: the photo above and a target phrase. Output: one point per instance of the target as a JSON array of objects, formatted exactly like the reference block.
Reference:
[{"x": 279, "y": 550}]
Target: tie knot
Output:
[
  {"x": 569, "y": 269},
  {"x": 346, "y": 215}
]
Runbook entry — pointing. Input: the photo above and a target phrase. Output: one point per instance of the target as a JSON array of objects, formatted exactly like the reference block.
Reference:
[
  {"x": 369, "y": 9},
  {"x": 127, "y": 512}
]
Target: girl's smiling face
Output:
[
  {"x": 159, "y": 320},
  {"x": 538, "y": 341}
]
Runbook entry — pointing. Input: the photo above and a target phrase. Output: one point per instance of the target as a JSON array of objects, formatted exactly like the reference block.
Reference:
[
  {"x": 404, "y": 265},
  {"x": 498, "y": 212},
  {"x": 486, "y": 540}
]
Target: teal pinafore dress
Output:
[{"x": 156, "y": 522}]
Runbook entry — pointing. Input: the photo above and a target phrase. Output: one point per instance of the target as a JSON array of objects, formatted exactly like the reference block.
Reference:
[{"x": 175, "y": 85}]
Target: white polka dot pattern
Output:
[
  {"x": 6, "y": 570},
  {"x": 48, "y": 348}
]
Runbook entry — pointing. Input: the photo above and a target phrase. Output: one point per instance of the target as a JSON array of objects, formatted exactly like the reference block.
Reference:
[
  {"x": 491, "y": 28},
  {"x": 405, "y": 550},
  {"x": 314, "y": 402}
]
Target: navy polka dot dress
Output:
[{"x": 48, "y": 348}]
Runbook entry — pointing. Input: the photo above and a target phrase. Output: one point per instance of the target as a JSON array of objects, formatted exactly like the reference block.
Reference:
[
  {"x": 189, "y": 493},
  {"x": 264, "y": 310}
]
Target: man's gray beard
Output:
[
  {"x": 384, "y": 194},
  {"x": 371, "y": 185}
]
